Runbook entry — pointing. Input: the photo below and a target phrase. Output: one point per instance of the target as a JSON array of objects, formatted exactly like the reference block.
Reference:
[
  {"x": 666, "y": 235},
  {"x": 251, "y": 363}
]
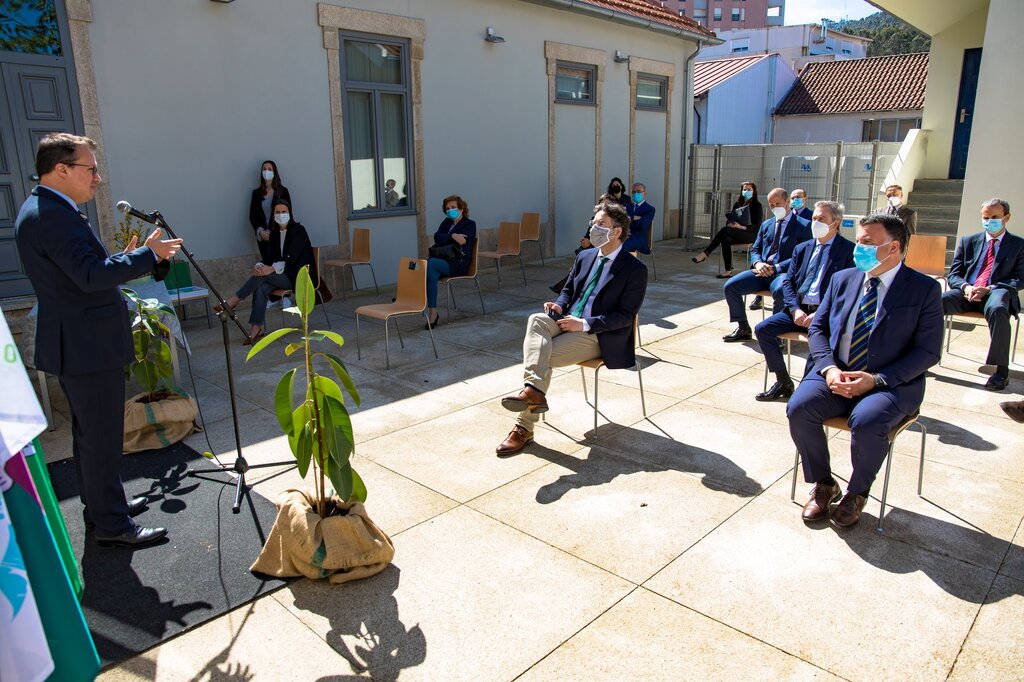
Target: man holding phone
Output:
[{"x": 591, "y": 318}]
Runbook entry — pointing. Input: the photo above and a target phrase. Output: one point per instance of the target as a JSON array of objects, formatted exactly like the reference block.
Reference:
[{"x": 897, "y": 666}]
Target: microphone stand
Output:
[{"x": 241, "y": 466}]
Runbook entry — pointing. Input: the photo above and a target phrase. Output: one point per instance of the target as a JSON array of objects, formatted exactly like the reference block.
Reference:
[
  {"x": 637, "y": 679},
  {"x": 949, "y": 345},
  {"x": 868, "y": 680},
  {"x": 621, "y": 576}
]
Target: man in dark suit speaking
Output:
[
  {"x": 986, "y": 274},
  {"x": 876, "y": 333},
  {"x": 83, "y": 334},
  {"x": 591, "y": 318}
]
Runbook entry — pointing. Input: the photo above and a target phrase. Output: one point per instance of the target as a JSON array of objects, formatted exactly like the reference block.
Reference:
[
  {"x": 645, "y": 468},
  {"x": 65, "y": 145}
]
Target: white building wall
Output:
[
  {"x": 830, "y": 127},
  {"x": 787, "y": 41},
  {"x": 739, "y": 110}
]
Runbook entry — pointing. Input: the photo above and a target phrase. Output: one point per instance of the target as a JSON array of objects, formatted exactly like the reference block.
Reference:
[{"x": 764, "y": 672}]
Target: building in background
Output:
[
  {"x": 734, "y": 98},
  {"x": 720, "y": 15},
  {"x": 859, "y": 100},
  {"x": 799, "y": 45}
]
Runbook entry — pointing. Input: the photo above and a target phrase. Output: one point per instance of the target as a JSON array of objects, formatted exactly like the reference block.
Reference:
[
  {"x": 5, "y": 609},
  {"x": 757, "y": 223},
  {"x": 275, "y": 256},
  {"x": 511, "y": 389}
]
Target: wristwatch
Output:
[{"x": 879, "y": 381}]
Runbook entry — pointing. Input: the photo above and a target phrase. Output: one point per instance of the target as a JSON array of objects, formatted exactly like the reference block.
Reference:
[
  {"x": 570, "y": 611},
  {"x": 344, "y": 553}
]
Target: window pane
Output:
[
  {"x": 392, "y": 124},
  {"x": 906, "y": 125},
  {"x": 650, "y": 93},
  {"x": 373, "y": 62},
  {"x": 573, "y": 83},
  {"x": 360, "y": 142},
  {"x": 29, "y": 26},
  {"x": 888, "y": 132}
]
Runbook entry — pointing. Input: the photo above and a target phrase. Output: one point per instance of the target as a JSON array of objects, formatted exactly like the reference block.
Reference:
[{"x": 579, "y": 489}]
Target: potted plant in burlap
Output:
[
  {"x": 163, "y": 413},
  {"x": 324, "y": 532}
]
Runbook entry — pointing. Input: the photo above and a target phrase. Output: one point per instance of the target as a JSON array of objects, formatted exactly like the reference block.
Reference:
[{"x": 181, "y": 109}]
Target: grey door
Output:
[{"x": 38, "y": 95}]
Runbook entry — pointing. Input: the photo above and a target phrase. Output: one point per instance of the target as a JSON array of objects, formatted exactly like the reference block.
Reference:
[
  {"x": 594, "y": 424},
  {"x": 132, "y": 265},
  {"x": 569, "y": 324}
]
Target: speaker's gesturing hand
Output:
[{"x": 163, "y": 248}]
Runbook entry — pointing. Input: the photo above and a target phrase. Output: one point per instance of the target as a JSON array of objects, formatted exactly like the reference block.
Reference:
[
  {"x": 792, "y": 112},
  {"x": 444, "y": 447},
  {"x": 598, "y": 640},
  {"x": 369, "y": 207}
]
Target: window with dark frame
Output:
[
  {"x": 888, "y": 129},
  {"x": 377, "y": 109},
  {"x": 650, "y": 92},
  {"x": 574, "y": 83}
]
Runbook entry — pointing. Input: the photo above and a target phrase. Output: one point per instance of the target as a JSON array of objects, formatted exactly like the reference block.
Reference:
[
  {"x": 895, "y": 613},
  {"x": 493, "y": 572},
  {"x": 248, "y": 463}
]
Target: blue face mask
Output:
[
  {"x": 638, "y": 197},
  {"x": 748, "y": 194},
  {"x": 452, "y": 213},
  {"x": 798, "y": 203},
  {"x": 992, "y": 225},
  {"x": 865, "y": 258}
]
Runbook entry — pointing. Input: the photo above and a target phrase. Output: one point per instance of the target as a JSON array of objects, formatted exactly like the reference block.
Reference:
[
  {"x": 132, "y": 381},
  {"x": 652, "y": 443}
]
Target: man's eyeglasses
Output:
[{"x": 95, "y": 170}]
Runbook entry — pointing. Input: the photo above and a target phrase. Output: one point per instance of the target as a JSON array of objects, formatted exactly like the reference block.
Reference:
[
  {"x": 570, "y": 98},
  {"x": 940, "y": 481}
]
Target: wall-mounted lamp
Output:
[
  {"x": 492, "y": 37},
  {"x": 621, "y": 58},
  {"x": 224, "y": 1}
]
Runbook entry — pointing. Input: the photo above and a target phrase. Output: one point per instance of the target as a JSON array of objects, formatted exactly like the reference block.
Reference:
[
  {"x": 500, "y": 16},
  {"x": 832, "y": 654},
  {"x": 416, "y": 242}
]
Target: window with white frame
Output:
[
  {"x": 888, "y": 129},
  {"x": 718, "y": 14},
  {"x": 574, "y": 83},
  {"x": 651, "y": 92},
  {"x": 737, "y": 13},
  {"x": 377, "y": 110},
  {"x": 847, "y": 47}
]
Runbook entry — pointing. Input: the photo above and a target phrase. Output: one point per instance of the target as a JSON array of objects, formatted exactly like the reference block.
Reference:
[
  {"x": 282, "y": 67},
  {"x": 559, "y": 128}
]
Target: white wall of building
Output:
[
  {"x": 788, "y": 41},
  {"x": 830, "y": 127},
  {"x": 739, "y": 110}
]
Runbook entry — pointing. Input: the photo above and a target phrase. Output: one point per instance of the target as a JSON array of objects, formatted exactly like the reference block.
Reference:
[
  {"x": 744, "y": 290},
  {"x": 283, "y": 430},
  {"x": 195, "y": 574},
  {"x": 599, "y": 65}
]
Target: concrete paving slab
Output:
[
  {"x": 706, "y": 342},
  {"x": 468, "y": 598},
  {"x": 994, "y": 649},
  {"x": 476, "y": 376}
]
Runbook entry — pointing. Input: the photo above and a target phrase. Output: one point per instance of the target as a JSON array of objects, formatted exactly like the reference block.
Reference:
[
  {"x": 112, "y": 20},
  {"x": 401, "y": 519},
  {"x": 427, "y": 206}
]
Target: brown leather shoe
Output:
[
  {"x": 847, "y": 512},
  {"x": 1014, "y": 410},
  {"x": 527, "y": 399},
  {"x": 517, "y": 439},
  {"x": 821, "y": 497}
]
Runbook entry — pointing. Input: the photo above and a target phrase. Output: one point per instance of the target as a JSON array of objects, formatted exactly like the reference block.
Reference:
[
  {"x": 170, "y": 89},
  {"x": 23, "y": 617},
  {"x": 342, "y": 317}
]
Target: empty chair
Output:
[
  {"x": 597, "y": 363},
  {"x": 927, "y": 253},
  {"x": 470, "y": 274},
  {"x": 410, "y": 299},
  {"x": 360, "y": 256},
  {"x": 529, "y": 231},
  {"x": 508, "y": 245}
]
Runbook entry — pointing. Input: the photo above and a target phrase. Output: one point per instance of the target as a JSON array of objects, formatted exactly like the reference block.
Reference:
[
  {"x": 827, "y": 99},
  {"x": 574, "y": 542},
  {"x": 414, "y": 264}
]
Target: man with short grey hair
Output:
[
  {"x": 986, "y": 274},
  {"x": 895, "y": 206}
]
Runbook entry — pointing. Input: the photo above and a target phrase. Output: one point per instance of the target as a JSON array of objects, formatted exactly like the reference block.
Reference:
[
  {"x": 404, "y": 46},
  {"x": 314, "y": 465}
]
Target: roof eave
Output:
[{"x": 629, "y": 19}]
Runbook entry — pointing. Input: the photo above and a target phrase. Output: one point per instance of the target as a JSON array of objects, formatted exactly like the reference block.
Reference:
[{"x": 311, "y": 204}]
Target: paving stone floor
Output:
[{"x": 653, "y": 548}]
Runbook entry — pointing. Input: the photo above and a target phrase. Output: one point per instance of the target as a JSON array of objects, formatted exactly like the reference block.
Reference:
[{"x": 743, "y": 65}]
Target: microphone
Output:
[{"x": 126, "y": 208}]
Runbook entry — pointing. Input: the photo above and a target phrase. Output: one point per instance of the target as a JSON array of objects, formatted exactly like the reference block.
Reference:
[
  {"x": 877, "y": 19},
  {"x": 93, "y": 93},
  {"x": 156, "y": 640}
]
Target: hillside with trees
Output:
[{"x": 889, "y": 34}]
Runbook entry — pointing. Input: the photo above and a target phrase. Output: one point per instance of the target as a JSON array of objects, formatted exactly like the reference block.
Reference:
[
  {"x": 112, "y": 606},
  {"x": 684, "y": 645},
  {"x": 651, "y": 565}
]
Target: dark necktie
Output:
[
  {"x": 862, "y": 327},
  {"x": 812, "y": 272},
  {"x": 773, "y": 252},
  {"x": 577, "y": 310},
  {"x": 985, "y": 274}
]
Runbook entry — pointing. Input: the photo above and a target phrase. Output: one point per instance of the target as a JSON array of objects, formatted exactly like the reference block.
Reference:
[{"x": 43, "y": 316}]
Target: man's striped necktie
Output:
[{"x": 862, "y": 327}]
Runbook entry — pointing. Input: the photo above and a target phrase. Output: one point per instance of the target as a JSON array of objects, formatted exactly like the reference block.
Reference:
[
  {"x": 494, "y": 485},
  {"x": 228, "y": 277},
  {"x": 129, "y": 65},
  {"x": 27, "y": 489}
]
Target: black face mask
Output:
[{"x": 616, "y": 190}]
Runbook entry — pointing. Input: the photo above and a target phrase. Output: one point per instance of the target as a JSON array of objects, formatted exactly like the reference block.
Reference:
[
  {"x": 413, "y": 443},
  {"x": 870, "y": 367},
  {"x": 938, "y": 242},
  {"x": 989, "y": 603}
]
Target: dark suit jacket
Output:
[
  {"x": 1007, "y": 271},
  {"x": 443, "y": 237},
  {"x": 806, "y": 213},
  {"x": 907, "y": 337},
  {"x": 615, "y": 305},
  {"x": 641, "y": 217},
  {"x": 795, "y": 230},
  {"x": 297, "y": 251},
  {"x": 909, "y": 218},
  {"x": 840, "y": 257},
  {"x": 257, "y": 218},
  {"x": 83, "y": 322}
]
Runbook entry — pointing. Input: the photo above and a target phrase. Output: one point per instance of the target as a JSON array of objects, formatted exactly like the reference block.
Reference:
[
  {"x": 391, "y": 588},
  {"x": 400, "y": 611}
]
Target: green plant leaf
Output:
[
  {"x": 283, "y": 401},
  {"x": 162, "y": 307},
  {"x": 358, "y": 487},
  {"x": 141, "y": 340},
  {"x": 305, "y": 294},
  {"x": 305, "y": 449},
  {"x": 341, "y": 479},
  {"x": 343, "y": 376},
  {"x": 130, "y": 295},
  {"x": 146, "y": 374},
  {"x": 269, "y": 339},
  {"x": 164, "y": 365},
  {"x": 337, "y": 338},
  {"x": 207, "y": 455},
  {"x": 327, "y": 387},
  {"x": 292, "y": 347},
  {"x": 338, "y": 429},
  {"x": 299, "y": 440}
]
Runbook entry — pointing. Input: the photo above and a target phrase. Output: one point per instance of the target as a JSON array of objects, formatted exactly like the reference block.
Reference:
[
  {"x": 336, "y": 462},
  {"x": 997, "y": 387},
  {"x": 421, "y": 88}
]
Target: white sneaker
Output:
[
  {"x": 286, "y": 302},
  {"x": 272, "y": 304}
]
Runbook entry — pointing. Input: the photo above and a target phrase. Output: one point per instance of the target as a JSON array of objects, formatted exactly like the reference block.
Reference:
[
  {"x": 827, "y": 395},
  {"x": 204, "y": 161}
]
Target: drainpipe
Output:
[{"x": 684, "y": 143}]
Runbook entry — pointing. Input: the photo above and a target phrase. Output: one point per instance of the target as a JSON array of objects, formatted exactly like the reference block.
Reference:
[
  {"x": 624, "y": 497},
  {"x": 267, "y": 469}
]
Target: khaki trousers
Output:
[{"x": 546, "y": 346}]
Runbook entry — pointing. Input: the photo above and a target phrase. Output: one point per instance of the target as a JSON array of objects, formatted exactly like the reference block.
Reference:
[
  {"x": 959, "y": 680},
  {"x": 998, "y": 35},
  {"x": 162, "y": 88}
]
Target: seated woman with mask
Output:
[
  {"x": 453, "y": 244},
  {"x": 288, "y": 251}
]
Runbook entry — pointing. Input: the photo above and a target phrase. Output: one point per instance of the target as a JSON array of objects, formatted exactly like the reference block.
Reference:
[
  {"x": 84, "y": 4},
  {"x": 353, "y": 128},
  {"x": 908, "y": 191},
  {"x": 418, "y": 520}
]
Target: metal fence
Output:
[{"x": 850, "y": 173}]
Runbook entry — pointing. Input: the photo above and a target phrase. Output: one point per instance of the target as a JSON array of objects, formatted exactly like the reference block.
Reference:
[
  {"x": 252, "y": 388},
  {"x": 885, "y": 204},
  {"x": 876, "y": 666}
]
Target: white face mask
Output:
[
  {"x": 819, "y": 229},
  {"x": 599, "y": 235},
  {"x": 268, "y": 175},
  {"x": 282, "y": 219},
  {"x": 895, "y": 200},
  {"x": 779, "y": 212}
]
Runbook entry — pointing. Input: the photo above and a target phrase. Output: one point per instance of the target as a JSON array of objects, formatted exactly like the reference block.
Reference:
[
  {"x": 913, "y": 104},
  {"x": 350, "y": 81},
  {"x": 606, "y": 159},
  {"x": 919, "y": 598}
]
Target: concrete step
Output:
[
  {"x": 937, "y": 213},
  {"x": 935, "y": 199},
  {"x": 939, "y": 185},
  {"x": 943, "y": 227}
]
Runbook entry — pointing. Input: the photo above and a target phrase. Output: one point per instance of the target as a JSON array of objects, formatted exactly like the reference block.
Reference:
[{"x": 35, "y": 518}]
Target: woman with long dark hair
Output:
[
  {"x": 746, "y": 208},
  {"x": 617, "y": 192},
  {"x": 268, "y": 190}
]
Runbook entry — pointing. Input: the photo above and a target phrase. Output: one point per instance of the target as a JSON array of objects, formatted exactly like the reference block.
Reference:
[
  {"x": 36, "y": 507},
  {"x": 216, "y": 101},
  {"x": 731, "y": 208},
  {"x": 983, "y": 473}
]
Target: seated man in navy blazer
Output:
[
  {"x": 769, "y": 256},
  {"x": 591, "y": 318},
  {"x": 641, "y": 217},
  {"x": 876, "y": 333},
  {"x": 83, "y": 334},
  {"x": 798, "y": 204},
  {"x": 803, "y": 286},
  {"x": 986, "y": 274}
]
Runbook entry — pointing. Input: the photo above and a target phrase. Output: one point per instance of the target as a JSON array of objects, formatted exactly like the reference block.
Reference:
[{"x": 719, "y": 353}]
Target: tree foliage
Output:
[
  {"x": 29, "y": 26},
  {"x": 889, "y": 35}
]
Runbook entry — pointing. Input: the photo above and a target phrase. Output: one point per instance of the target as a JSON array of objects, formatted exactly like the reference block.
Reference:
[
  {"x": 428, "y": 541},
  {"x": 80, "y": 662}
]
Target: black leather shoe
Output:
[
  {"x": 136, "y": 537},
  {"x": 997, "y": 382},
  {"x": 434, "y": 323},
  {"x": 756, "y": 304},
  {"x": 135, "y": 506},
  {"x": 847, "y": 512},
  {"x": 739, "y": 334},
  {"x": 779, "y": 391}
]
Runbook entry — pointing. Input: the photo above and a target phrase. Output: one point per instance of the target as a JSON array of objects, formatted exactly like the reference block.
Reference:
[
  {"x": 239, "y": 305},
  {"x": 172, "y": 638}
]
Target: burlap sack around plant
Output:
[
  {"x": 340, "y": 548},
  {"x": 155, "y": 425}
]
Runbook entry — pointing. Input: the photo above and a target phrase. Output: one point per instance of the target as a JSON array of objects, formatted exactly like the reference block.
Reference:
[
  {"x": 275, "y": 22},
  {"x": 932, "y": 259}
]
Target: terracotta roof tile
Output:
[
  {"x": 653, "y": 11},
  {"x": 890, "y": 83},
  {"x": 708, "y": 74}
]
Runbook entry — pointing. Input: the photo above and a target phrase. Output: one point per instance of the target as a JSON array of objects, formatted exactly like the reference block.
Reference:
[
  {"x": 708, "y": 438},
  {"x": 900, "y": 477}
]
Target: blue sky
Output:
[{"x": 812, "y": 11}]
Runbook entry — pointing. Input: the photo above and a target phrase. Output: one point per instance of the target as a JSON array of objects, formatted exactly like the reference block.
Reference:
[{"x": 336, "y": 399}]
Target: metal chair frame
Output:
[
  {"x": 508, "y": 245},
  {"x": 412, "y": 292},
  {"x": 360, "y": 256},
  {"x": 449, "y": 299}
]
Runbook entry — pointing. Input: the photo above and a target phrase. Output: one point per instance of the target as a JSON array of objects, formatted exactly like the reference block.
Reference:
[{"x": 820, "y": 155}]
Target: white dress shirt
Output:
[
  {"x": 606, "y": 274},
  {"x": 885, "y": 282}
]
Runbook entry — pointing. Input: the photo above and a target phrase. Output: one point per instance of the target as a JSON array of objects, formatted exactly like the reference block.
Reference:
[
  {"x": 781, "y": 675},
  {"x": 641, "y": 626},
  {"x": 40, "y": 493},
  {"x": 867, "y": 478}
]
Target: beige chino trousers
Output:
[{"x": 546, "y": 346}]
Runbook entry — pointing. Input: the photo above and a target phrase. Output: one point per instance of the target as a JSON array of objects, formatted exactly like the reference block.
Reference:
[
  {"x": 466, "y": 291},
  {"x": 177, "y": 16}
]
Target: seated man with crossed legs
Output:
[
  {"x": 591, "y": 318},
  {"x": 876, "y": 333}
]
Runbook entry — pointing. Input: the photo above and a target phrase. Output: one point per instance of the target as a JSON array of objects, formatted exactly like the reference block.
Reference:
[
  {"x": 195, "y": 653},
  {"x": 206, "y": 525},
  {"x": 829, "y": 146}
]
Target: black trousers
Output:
[
  {"x": 97, "y": 429},
  {"x": 727, "y": 236},
  {"x": 996, "y": 308}
]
